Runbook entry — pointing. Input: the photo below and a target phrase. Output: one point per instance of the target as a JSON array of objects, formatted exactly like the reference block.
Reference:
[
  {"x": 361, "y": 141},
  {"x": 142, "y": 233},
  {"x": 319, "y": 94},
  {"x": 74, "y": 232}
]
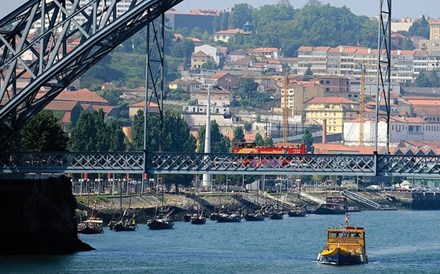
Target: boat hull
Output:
[
  {"x": 88, "y": 230},
  {"x": 297, "y": 213},
  {"x": 198, "y": 220},
  {"x": 338, "y": 256},
  {"x": 254, "y": 217},
  {"x": 158, "y": 224},
  {"x": 330, "y": 209},
  {"x": 124, "y": 227},
  {"x": 226, "y": 218}
]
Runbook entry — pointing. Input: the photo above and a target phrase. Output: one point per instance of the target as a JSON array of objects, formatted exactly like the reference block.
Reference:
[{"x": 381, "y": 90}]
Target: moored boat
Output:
[
  {"x": 228, "y": 218},
  {"x": 161, "y": 221},
  {"x": 345, "y": 246},
  {"x": 198, "y": 220},
  {"x": 298, "y": 212},
  {"x": 276, "y": 215},
  {"x": 254, "y": 217},
  {"x": 128, "y": 224},
  {"x": 93, "y": 225},
  {"x": 330, "y": 209}
]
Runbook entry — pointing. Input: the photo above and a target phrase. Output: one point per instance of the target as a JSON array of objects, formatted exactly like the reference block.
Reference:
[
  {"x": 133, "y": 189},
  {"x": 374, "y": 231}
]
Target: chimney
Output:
[{"x": 324, "y": 131}]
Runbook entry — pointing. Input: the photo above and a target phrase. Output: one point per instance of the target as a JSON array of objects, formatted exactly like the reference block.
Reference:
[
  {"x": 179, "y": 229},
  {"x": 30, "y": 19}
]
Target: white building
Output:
[
  {"x": 401, "y": 129},
  {"x": 214, "y": 52}
]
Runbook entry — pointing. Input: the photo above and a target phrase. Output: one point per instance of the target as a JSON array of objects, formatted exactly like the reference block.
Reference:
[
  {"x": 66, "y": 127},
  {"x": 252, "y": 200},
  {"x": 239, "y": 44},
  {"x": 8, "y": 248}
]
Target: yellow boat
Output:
[{"x": 345, "y": 246}]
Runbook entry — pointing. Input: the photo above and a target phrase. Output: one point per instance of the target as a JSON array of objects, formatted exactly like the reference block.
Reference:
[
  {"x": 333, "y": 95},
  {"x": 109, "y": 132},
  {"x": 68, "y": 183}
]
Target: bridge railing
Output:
[{"x": 223, "y": 163}]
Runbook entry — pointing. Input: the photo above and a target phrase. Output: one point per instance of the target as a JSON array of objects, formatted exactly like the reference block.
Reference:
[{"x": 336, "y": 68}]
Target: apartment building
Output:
[
  {"x": 401, "y": 129},
  {"x": 347, "y": 60},
  {"x": 299, "y": 92},
  {"x": 331, "y": 112}
]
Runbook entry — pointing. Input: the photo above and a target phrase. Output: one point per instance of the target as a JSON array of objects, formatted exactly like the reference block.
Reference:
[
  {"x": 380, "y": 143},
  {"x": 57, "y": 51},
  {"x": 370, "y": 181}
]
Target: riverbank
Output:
[{"x": 144, "y": 206}]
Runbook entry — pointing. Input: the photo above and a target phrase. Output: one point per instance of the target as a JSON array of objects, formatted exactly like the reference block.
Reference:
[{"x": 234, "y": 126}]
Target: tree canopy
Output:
[
  {"x": 93, "y": 133},
  {"x": 43, "y": 134},
  {"x": 176, "y": 133},
  {"x": 219, "y": 142},
  {"x": 283, "y": 26}
]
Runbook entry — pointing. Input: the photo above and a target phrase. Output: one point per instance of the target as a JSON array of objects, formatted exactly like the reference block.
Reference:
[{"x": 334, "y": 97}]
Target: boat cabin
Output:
[{"x": 350, "y": 238}]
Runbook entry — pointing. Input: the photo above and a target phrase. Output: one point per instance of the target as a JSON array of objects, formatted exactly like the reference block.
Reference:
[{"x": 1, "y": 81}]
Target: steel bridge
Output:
[
  {"x": 212, "y": 163},
  {"x": 55, "y": 65}
]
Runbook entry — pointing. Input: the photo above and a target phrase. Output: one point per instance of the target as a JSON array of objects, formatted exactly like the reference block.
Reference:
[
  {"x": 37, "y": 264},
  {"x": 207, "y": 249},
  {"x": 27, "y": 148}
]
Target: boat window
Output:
[{"x": 334, "y": 234}]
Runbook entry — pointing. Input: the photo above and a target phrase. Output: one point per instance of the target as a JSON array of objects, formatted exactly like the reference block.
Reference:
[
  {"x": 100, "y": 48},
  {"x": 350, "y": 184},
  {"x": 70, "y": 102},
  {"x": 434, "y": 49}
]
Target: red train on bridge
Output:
[{"x": 287, "y": 154}]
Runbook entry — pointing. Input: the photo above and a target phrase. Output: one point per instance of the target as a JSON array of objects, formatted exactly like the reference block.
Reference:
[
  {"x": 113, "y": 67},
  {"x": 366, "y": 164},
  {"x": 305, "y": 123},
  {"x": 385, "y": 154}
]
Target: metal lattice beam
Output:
[
  {"x": 44, "y": 60},
  {"x": 384, "y": 71},
  {"x": 422, "y": 166}
]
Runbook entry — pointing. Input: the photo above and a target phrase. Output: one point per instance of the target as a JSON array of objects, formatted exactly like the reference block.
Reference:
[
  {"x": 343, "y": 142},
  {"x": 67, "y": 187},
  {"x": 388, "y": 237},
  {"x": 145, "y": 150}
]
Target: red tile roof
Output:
[{"x": 82, "y": 95}]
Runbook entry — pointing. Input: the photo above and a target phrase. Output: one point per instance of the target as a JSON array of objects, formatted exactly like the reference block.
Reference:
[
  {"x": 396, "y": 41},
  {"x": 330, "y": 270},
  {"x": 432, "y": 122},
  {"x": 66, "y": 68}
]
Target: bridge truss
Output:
[
  {"x": 425, "y": 166},
  {"x": 45, "y": 56}
]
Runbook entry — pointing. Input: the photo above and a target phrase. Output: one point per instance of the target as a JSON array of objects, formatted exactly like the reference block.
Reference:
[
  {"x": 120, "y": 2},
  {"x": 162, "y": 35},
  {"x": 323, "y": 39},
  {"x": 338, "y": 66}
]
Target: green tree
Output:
[
  {"x": 240, "y": 14},
  {"x": 176, "y": 133},
  {"x": 307, "y": 139},
  {"x": 420, "y": 28},
  {"x": 433, "y": 79},
  {"x": 116, "y": 137},
  {"x": 247, "y": 87},
  {"x": 268, "y": 141},
  {"x": 308, "y": 74},
  {"x": 176, "y": 138},
  {"x": 219, "y": 142},
  {"x": 427, "y": 79},
  {"x": 259, "y": 140},
  {"x": 182, "y": 48},
  {"x": 112, "y": 96},
  {"x": 422, "y": 80},
  {"x": 210, "y": 65},
  {"x": 92, "y": 133},
  {"x": 238, "y": 135},
  {"x": 42, "y": 134}
]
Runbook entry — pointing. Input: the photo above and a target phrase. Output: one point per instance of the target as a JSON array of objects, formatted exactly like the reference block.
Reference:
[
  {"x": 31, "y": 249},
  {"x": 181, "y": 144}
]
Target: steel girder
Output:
[
  {"x": 384, "y": 71},
  {"x": 52, "y": 64},
  {"x": 425, "y": 166}
]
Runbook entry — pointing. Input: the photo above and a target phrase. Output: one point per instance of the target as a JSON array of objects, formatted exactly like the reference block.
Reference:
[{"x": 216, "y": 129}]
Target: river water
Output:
[{"x": 397, "y": 242}]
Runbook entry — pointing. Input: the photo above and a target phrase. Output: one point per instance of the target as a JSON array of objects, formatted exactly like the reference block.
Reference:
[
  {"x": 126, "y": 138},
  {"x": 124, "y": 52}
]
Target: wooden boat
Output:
[
  {"x": 126, "y": 224},
  {"x": 276, "y": 215},
  {"x": 255, "y": 217},
  {"x": 298, "y": 212},
  {"x": 345, "y": 246},
  {"x": 187, "y": 217},
  {"x": 160, "y": 221},
  {"x": 330, "y": 209},
  {"x": 198, "y": 220},
  {"x": 93, "y": 225},
  {"x": 228, "y": 218}
]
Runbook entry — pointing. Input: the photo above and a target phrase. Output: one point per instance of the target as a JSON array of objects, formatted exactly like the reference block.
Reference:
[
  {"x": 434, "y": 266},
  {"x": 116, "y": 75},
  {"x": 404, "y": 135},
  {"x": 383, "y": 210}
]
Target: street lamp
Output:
[{"x": 207, "y": 177}]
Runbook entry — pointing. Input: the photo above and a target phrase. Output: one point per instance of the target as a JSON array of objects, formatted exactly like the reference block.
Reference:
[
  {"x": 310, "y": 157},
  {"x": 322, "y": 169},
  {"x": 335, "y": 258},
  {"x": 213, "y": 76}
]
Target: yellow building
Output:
[
  {"x": 299, "y": 92},
  {"x": 331, "y": 111},
  {"x": 199, "y": 58},
  {"x": 434, "y": 29}
]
